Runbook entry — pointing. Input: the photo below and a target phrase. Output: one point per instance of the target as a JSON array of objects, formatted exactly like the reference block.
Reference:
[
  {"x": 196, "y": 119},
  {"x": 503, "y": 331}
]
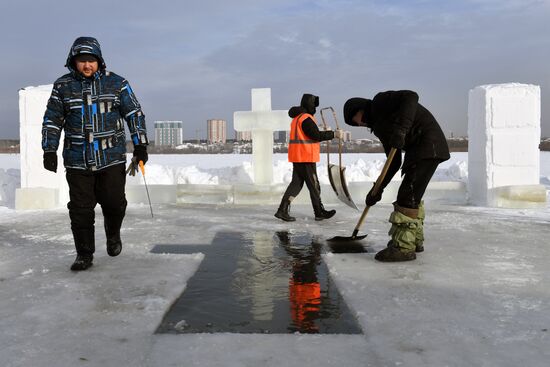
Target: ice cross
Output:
[{"x": 262, "y": 122}]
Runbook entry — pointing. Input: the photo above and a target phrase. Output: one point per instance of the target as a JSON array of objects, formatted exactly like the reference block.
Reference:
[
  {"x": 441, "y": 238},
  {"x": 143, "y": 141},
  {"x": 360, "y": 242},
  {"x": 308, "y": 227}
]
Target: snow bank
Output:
[
  {"x": 360, "y": 170},
  {"x": 231, "y": 169}
]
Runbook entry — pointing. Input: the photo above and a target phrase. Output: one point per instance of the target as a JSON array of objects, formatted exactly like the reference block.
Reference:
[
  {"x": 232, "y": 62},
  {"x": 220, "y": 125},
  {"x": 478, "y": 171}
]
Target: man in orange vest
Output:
[{"x": 304, "y": 152}]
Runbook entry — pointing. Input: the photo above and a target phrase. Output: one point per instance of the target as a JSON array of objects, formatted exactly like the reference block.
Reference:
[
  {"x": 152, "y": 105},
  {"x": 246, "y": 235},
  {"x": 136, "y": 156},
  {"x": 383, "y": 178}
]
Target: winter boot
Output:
[
  {"x": 112, "y": 232},
  {"x": 403, "y": 233},
  {"x": 419, "y": 243},
  {"x": 84, "y": 240},
  {"x": 82, "y": 262},
  {"x": 321, "y": 213},
  {"x": 282, "y": 212},
  {"x": 394, "y": 254},
  {"x": 112, "y": 223}
]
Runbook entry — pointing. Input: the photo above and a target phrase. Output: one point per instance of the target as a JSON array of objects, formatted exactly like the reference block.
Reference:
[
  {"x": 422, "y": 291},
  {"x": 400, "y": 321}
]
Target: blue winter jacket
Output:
[{"x": 92, "y": 112}]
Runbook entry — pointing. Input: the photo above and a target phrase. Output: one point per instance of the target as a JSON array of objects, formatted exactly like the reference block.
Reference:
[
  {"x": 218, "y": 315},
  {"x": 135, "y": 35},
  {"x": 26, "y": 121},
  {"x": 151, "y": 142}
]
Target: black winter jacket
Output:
[
  {"x": 400, "y": 110},
  {"x": 310, "y": 127}
]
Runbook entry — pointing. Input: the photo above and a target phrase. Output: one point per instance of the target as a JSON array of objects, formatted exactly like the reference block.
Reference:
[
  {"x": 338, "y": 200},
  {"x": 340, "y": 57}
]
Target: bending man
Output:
[{"x": 400, "y": 122}]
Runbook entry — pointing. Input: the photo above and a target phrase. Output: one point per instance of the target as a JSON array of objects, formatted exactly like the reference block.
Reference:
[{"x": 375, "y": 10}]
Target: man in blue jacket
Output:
[{"x": 91, "y": 105}]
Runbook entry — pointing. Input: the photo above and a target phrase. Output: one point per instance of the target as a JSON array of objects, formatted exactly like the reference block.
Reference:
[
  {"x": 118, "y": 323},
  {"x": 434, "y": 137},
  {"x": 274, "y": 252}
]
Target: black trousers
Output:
[
  {"x": 304, "y": 172},
  {"x": 415, "y": 181},
  {"x": 86, "y": 189}
]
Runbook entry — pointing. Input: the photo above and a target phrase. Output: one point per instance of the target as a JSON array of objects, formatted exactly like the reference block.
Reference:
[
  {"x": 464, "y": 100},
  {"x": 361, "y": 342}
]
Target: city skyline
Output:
[{"x": 181, "y": 70}]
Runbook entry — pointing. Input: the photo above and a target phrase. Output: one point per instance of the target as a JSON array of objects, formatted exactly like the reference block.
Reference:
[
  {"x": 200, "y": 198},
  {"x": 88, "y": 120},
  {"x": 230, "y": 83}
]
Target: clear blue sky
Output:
[{"x": 195, "y": 60}]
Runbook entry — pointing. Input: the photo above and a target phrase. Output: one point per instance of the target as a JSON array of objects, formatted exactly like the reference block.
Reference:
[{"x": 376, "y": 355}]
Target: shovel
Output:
[
  {"x": 336, "y": 173},
  {"x": 354, "y": 236}
]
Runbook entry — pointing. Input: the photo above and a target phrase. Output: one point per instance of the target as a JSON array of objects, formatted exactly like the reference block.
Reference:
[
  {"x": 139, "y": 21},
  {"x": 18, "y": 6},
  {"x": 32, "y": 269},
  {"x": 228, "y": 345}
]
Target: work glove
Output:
[
  {"x": 372, "y": 199},
  {"x": 50, "y": 161},
  {"x": 140, "y": 154},
  {"x": 397, "y": 140},
  {"x": 339, "y": 134}
]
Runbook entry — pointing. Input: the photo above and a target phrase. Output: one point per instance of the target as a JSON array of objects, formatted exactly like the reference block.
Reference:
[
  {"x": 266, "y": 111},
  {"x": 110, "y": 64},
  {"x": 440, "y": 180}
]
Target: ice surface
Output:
[
  {"x": 478, "y": 295},
  {"x": 504, "y": 136}
]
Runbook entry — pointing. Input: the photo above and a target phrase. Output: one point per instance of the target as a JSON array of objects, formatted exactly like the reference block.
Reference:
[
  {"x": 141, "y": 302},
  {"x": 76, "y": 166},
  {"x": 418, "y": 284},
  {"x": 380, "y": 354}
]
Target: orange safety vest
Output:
[{"x": 300, "y": 147}]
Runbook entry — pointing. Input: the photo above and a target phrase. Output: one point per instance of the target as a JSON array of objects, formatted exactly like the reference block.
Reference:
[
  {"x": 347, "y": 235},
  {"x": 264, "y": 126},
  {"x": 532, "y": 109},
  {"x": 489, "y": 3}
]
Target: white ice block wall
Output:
[
  {"x": 32, "y": 105},
  {"x": 503, "y": 140}
]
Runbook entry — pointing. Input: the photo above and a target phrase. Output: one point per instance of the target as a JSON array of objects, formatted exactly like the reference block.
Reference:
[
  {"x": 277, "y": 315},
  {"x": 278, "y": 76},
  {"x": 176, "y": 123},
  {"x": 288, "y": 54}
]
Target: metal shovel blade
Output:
[
  {"x": 346, "y": 245},
  {"x": 338, "y": 183},
  {"x": 347, "y": 239}
]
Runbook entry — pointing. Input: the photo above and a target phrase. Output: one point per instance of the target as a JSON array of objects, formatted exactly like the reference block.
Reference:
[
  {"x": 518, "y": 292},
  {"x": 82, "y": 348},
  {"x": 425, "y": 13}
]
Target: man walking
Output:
[
  {"x": 91, "y": 104},
  {"x": 304, "y": 152}
]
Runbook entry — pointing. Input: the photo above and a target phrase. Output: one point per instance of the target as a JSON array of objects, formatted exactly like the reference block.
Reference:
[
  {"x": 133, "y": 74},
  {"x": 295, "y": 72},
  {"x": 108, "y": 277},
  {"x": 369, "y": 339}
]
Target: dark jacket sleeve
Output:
[
  {"x": 312, "y": 131},
  {"x": 54, "y": 120},
  {"x": 394, "y": 166},
  {"x": 130, "y": 110}
]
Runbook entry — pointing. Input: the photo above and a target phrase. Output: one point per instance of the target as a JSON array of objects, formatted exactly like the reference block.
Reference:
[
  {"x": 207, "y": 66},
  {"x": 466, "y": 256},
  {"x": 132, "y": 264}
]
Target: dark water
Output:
[{"x": 260, "y": 282}]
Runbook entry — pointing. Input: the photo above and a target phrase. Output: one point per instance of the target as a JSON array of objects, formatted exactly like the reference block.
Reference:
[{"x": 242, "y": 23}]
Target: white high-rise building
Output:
[
  {"x": 216, "y": 131},
  {"x": 168, "y": 133},
  {"x": 243, "y": 135}
]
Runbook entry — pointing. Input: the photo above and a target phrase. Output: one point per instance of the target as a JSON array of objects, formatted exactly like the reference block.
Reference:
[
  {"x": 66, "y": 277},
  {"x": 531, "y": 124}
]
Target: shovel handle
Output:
[
  {"x": 142, "y": 168},
  {"x": 375, "y": 189},
  {"x": 337, "y": 127},
  {"x": 325, "y": 126}
]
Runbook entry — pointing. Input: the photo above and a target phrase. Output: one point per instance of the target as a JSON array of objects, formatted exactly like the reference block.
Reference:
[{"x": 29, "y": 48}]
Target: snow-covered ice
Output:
[{"x": 478, "y": 296}]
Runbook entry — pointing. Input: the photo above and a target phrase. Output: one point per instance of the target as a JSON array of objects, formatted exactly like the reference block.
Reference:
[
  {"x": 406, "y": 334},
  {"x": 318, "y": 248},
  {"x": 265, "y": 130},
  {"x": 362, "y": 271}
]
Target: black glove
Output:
[
  {"x": 372, "y": 199},
  {"x": 50, "y": 161},
  {"x": 140, "y": 153},
  {"x": 397, "y": 140}
]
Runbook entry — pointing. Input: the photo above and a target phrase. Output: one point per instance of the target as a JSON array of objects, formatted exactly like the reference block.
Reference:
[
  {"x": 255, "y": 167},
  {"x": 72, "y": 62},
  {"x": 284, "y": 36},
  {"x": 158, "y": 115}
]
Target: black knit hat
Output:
[
  {"x": 352, "y": 106},
  {"x": 309, "y": 102}
]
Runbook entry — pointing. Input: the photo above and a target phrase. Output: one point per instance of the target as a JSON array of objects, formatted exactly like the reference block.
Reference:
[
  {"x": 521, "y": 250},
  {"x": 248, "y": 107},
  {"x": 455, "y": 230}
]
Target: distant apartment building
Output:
[
  {"x": 347, "y": 136},
  {"x": 216, "y": 131},
  {"x": 281, "y": 136},
  {"x": 168, "y": 133},
  {"x": 243, "y": 135}
]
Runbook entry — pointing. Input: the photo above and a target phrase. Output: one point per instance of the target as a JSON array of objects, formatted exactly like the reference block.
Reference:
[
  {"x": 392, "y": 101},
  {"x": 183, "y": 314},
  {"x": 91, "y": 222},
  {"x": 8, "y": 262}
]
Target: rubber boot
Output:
[
  {"x": 82, "y": 262},
  {"x": 112, "y": 221},
  {"x": 112, "y": 226},
  {"x": 84, "y": 240},
  {"x": 403, "y": 231},
  {"x": 394, "y": 254},
  {"x": 282, "y": 212},
  {"x": 419, "y": 243},
  {"x": 321, "y": 213}
]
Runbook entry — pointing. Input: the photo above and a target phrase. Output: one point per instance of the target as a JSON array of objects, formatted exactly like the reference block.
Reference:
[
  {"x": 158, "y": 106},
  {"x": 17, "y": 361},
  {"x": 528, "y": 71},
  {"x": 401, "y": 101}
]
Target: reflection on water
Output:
[{"x": 259, "y": 283}]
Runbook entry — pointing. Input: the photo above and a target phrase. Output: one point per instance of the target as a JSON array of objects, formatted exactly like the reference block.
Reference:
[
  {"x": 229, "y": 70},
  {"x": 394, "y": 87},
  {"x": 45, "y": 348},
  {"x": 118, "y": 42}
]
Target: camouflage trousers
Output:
[{"x": 407, "y": 230}]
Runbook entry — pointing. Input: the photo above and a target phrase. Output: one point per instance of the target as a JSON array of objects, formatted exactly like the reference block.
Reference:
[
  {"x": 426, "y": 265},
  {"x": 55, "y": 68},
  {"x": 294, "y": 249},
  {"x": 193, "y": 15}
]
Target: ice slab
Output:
[
  {"x": 204, "y": 194},
  {"x": 36, "y": 198},
  {"x": 249, "y": 194},
  {"x": 520, "y": 196},
  {"x": 159, "y": 194}
]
